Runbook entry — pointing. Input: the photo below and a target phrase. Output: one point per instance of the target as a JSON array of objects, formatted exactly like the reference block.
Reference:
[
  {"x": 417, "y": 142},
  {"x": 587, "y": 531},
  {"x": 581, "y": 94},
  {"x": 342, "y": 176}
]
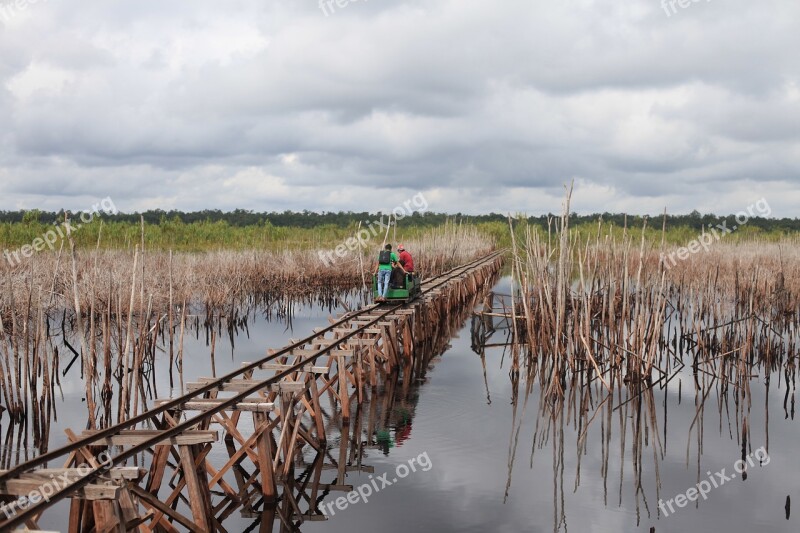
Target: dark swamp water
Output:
[{"x": 490, "y": 457}]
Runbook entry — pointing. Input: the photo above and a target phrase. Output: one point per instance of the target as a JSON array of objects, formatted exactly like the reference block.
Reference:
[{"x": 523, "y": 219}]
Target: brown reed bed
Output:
[
  {"x": 598, "y": 324},
  {"x": 591, "y": 298},
  {"x": 134, "y": 304},
  {"x": 215, "y": 278},
  {"x": 598, "y": 328}
]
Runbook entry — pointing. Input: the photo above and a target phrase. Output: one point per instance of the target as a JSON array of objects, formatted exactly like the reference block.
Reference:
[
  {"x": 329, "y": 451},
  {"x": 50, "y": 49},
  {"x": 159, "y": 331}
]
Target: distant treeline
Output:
[{"x": 311, "y": 219}]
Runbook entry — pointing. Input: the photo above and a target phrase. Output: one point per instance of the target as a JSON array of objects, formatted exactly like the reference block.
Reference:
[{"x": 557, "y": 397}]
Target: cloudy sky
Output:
[{"x": 481, "y": 105}]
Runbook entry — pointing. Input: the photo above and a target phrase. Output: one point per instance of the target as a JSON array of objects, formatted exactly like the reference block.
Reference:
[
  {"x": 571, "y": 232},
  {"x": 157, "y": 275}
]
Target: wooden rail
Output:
[{"x": 186, "y": 486}]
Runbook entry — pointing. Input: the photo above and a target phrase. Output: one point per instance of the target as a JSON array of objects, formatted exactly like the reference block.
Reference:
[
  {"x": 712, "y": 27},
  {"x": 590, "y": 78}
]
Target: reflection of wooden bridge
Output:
[{"x": 196, "y": 476}]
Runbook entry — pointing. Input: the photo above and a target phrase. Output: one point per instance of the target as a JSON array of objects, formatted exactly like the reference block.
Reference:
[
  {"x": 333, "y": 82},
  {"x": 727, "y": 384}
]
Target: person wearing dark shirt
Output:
[{"x": 387, "y": 261}]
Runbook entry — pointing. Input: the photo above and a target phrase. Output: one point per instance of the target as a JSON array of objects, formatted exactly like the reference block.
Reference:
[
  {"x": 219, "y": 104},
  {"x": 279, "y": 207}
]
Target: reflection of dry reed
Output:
[
  {"x": 134, "y": 304},
  {"x": 603, "y": 322}
]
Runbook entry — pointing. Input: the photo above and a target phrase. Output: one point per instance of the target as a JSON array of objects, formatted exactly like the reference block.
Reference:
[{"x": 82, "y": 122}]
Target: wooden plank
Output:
[
  {"x": 305, "y": 368},
  {"x": 240, "y": 385},
  {"x": 323, "y": 486},
  {"x": 367, "y": 331},
  {"x": 106, "y": 516},
  {"x": 26, "y": 485},
  {"x": 76, "y": 514},
  {"x": 387, "y": 323},
  {"x": 257, "y": 405},
  {"x": 363, "y": 342},
  {"x": 362, "y": 468},
  {"x": 344, "y": 392},
  {"x": 312, "y": 353},
  {"x": 264, "y": 450},
  {"x": 323, "y": 342},
  {"x": 130, "y": 511},
  {"x": 307, "y": 517},
  {"x": 197, "y": 501},
  {"x": 137, "y": 436},
  {"x": 119, "y": 473}
]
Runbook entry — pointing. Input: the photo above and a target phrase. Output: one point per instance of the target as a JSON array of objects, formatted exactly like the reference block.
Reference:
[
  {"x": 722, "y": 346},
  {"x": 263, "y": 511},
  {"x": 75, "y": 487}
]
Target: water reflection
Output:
[
  {"x": 379, "y": 425},
  {"x": 619, "y": 421},
  {"x": 511, "y": 456},
  {"x": 43, "y": 361}
]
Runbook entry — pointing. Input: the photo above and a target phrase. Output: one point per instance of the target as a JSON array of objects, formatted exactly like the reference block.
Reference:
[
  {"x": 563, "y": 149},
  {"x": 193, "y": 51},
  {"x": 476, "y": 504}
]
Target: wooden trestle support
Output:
[{"x": 265, "y": 455}]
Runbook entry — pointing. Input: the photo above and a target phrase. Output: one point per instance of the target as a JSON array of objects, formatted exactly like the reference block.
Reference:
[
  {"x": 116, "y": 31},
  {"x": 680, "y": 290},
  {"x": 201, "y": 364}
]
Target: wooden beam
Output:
[
  {"x": 197, "y": 501},
  {"x": 258, "y": 405},
  {"x": 305, "y": 368},
  {"x": 120, "y": 473},
  {"x": 152, "y": 501},
  {"x": 137, "y": 436},
  {"x": 27, "y": 484},
  {"x": 323, "y": 486},
  {"x": 311, "y": 353},
  {"x": 239, "y": 385},
  {"x": 367, "y": 331},
  {"x": 362, "y": 468}
]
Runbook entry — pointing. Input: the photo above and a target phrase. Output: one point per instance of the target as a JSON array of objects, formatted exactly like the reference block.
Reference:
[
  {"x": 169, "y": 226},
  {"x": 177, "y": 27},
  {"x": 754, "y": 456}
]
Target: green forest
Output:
[{"x": 243, "y": 229}]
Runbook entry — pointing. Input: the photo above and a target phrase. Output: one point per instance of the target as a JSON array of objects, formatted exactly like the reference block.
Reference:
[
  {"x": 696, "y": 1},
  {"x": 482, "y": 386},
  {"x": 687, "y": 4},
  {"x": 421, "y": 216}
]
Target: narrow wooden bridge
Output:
[{"x": 183, "y": 465}]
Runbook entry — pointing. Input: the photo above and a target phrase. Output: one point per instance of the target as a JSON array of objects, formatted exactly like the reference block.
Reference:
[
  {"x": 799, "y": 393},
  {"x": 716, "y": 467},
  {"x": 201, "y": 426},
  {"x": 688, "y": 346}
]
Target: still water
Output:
[
  {"x": 464, "y": 422},
  {"x": 466, "y": 449}
]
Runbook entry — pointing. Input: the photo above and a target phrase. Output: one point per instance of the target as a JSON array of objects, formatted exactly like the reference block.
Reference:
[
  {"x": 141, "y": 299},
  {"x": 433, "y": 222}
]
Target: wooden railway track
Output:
[{"x": 354, "y": 353}]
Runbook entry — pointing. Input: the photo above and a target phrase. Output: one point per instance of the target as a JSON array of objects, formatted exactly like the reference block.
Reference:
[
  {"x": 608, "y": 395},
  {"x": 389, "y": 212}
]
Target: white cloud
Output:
[{"x": 492, "y": 106}]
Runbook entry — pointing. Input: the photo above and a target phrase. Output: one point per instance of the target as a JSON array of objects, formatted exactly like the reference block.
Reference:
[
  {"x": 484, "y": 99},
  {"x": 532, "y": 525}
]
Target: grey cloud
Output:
[{"x": 495, "y": 105}]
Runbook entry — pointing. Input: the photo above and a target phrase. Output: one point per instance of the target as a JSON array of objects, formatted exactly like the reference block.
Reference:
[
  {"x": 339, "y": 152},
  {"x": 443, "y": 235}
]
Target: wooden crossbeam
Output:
[
  {"x": 118, "y": 473},
  {"x": 240, "y": 385},
  {"x": 362, "y": 468},
  {"x": 387, "y": 323},
  {"x": 257, "y": 405},
  {"x": 368, "y": 331},
  {"x": 30, "y": 483},
  {"x": 364, "y": 342},
  {"x": 311, "y": 353},
  {"x": 322, "y": 486},
  {"x": 137, "y": 436},
  {"x": 322, "y": 341},
  {"x": 308, "y": 517},
  {"x": 305, "y": 368}
]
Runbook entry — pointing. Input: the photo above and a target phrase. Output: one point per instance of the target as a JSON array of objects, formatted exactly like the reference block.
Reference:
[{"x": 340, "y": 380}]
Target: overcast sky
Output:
[{"x": 481, "y": 105}]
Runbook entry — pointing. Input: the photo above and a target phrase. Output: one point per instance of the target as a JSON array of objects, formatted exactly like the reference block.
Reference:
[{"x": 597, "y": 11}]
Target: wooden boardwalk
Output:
[{"x": 234, "y": 443}]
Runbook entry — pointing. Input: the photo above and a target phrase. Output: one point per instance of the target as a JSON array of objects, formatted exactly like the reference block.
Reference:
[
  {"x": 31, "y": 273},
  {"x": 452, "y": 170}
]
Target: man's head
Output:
[
  {"x": 388, "y": 247},
  {"x": 401, "y": 248}
]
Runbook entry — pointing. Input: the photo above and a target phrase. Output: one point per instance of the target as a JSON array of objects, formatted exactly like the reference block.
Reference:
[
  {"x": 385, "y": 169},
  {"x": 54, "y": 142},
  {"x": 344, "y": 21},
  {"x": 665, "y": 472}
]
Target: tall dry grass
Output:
[
  {"x": 134, "y": 304},
  {"x": 614, "y": 305},
  {"x": 216, "y": 278},
  {"x": 600, "y": 323}
]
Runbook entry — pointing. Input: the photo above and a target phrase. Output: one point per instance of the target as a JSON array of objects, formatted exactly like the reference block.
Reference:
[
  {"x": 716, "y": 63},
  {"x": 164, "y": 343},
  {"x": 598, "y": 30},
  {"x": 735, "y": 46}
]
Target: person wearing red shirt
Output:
[{"x": 405, "y": 259}]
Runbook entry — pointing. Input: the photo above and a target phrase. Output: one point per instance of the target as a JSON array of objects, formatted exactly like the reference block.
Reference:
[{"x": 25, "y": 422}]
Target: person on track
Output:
[
  {"x": 387, "y": 260},
  {"x": 405, "y": 259}
]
